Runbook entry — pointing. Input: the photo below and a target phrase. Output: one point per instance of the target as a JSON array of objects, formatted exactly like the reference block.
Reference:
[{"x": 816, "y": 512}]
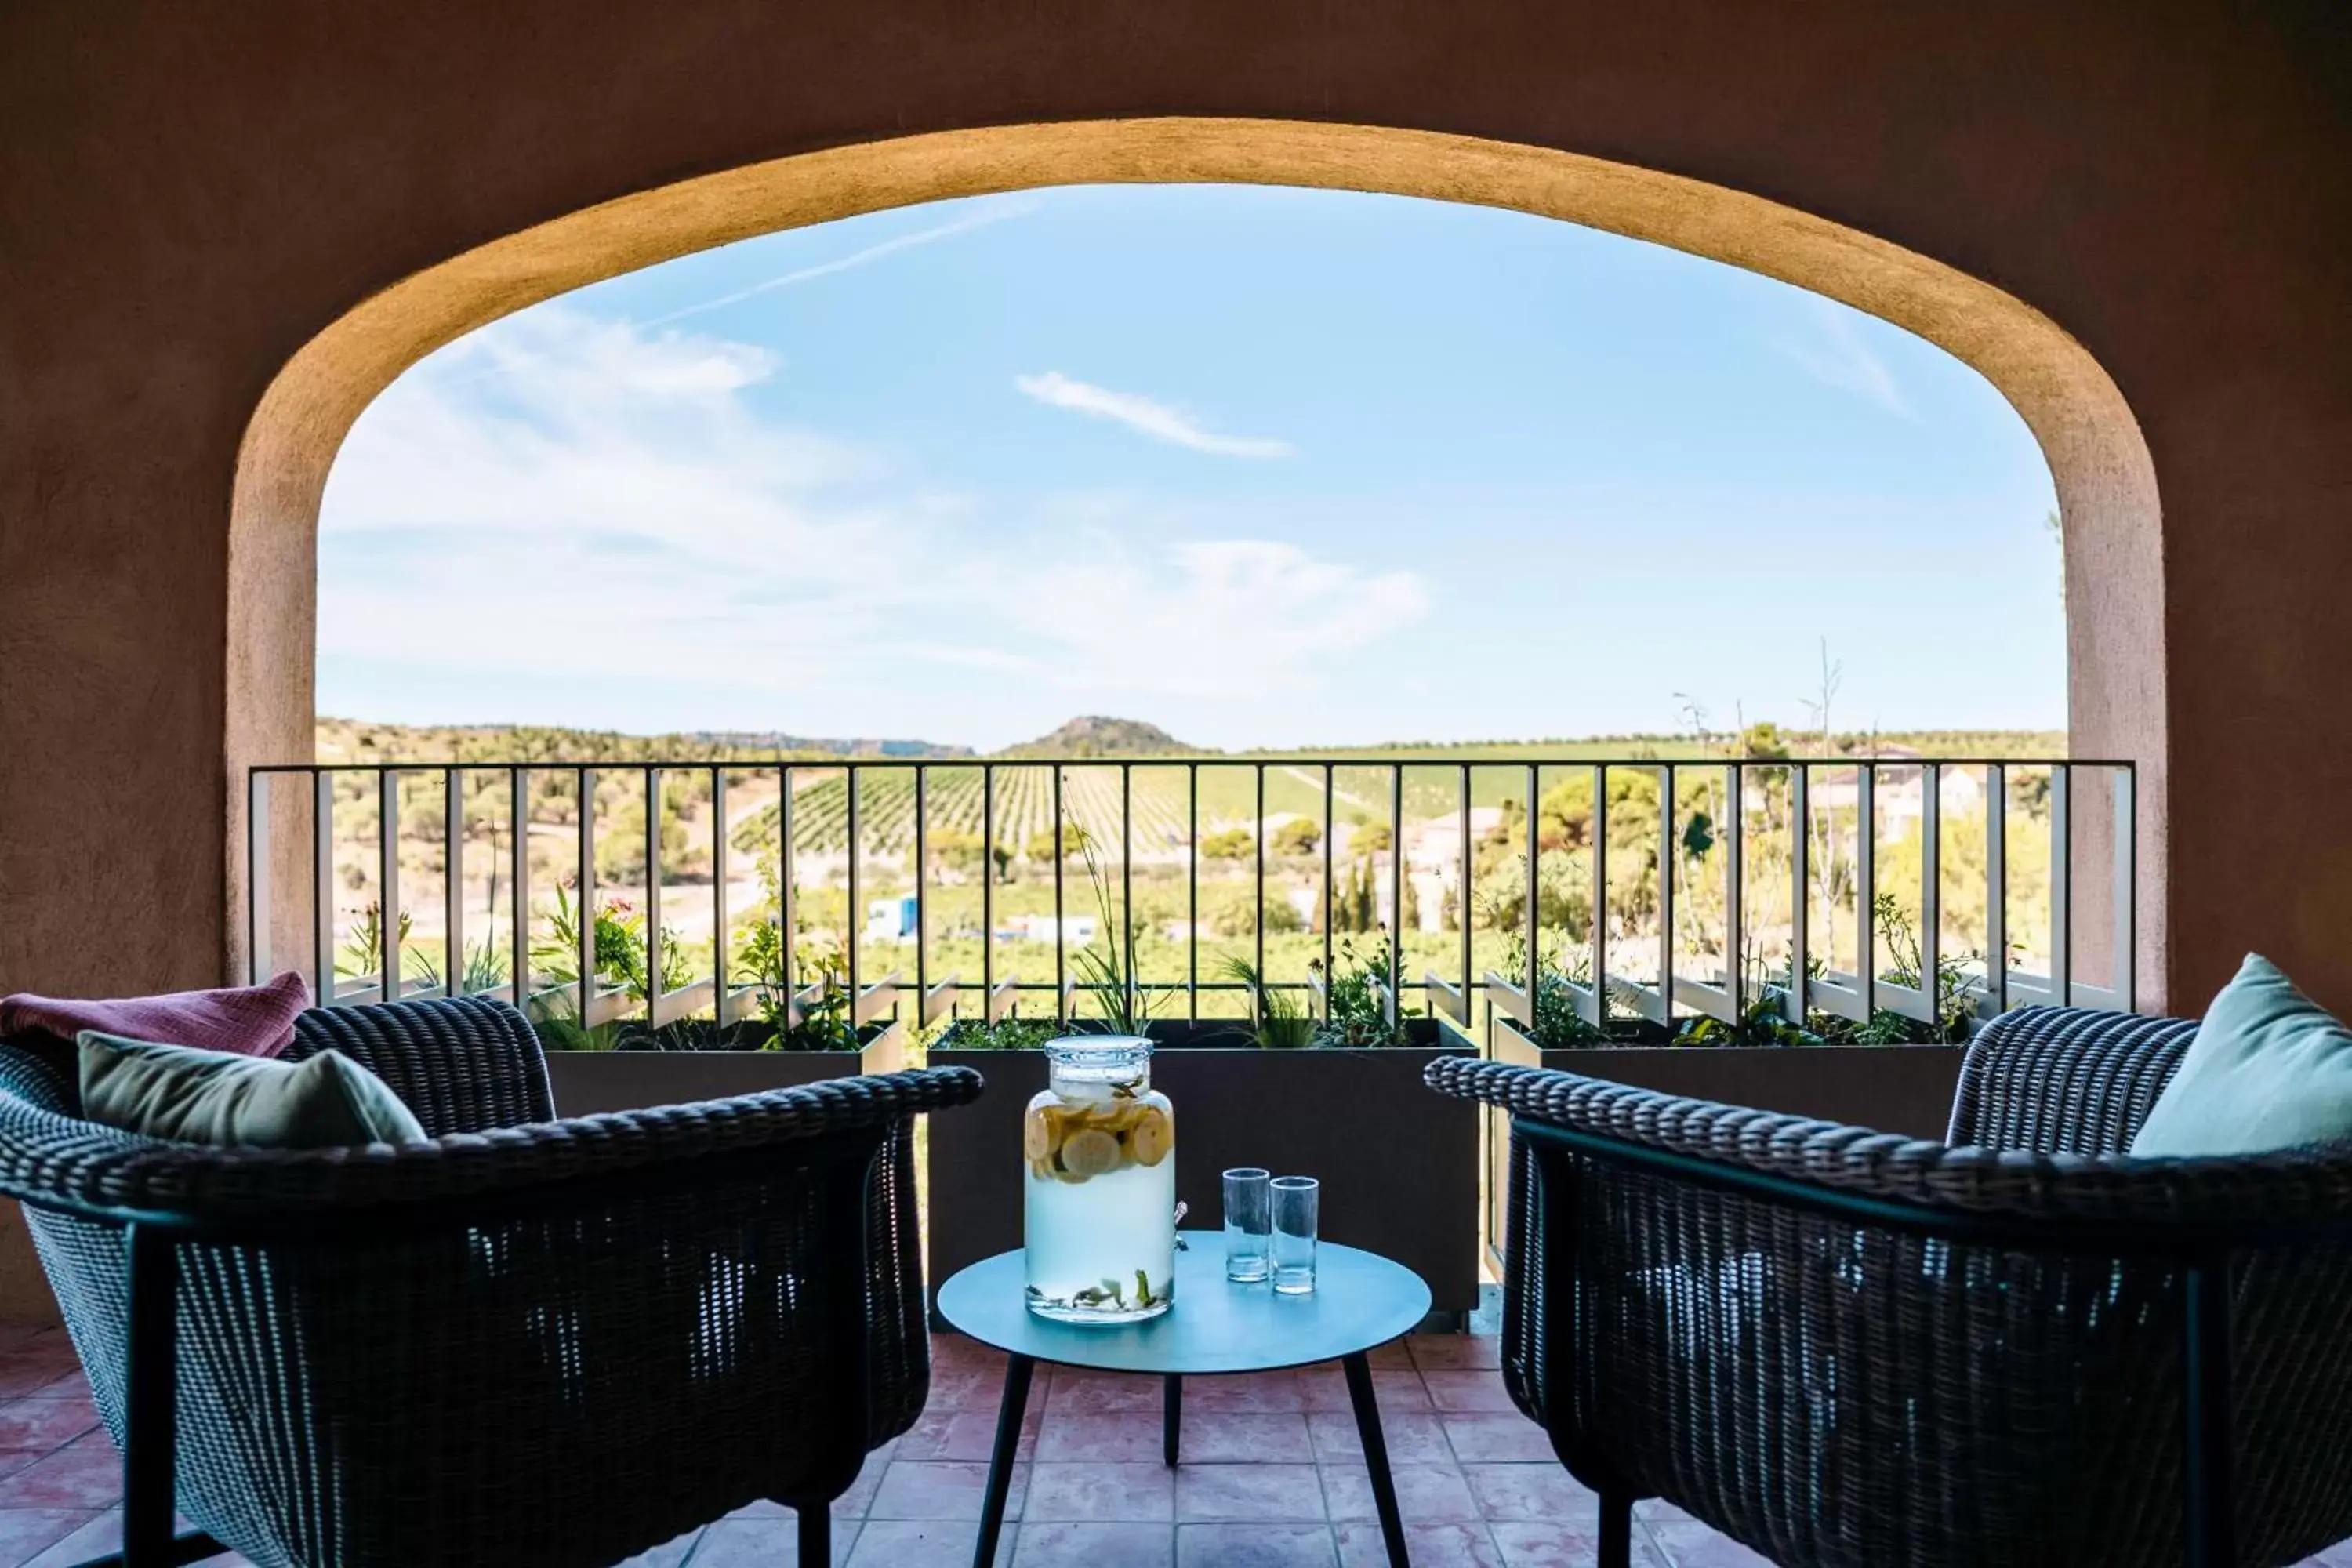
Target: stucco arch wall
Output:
[
  {"x": 2105, "y": 482},
  {"x": 191, "y": 194}
]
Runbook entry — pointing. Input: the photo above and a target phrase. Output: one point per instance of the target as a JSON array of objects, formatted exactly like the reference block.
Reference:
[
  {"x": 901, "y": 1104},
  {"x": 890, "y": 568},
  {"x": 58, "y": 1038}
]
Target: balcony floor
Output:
[{"x": 1272, "y": 1477}]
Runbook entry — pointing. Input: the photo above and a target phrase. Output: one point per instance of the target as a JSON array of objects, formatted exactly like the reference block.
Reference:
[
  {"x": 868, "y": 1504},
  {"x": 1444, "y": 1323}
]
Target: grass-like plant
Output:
[
  {"x": 1282, "y": 1020},
  {"x": 1107, "y": 973}
]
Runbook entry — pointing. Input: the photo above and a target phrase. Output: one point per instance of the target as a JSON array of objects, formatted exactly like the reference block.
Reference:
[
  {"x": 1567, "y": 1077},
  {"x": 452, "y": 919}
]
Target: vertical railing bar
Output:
[
  {"x": 453, "y": 881},
  {"x": 2127, "y": 889},
  {"x": 1330, "y": 826},
  {"x": 585, "y": 937},
  {"x": 2062, "y": 886},
  {"x": 1532, "y": 927},
  {"x": 1801, "y": 848},
  {"x": 1125, "y": 947},
  {"x": 1462, "y": 894},
  {"x": 257, "y": 877},
  {"x": 721, "y": 1009},
  {"x": 1865, "y": 851},
  {"x": 1258, "y": 836},
  {"x": 322, "y": 887},
  {"x": 922, "y": 901},
  {"x": 1600, "y": 895},
  {"x": 1192, "y": 888},
  {"x": 788, "y": 934},
  {"x": 1735, "y": 878},
  {"x": 1061, "y": 986},
  {"x": 519, "y": 884},
  {"x": 388, "y": 880},
  {"x": 987, "y": 888},
  {"x": 1931, "y": 889},
  {"x": 1396, "y": 890},
  {"x": 654, "y": 955},
  {"x": 1666, "y": 808},
  {"x": 1997, "y": 887},
  {"x": 852, "y": 913}
]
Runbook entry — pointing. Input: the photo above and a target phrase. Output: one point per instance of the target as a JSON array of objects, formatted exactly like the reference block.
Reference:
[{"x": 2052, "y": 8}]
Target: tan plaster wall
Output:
[{"x": 2153, "y": 195}]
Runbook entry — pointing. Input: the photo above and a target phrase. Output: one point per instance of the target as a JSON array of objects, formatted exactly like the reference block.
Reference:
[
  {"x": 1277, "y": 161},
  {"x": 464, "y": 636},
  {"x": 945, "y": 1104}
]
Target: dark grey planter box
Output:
[
  {"x": 1891, "y": 1089},
  {"x": 588, "y": 1083},
  {"x": 1399, "y": 1163}
]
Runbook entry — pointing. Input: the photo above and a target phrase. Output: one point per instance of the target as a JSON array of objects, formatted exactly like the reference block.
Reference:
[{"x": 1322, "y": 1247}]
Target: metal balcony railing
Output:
[{"x": 1695, "y": 914}]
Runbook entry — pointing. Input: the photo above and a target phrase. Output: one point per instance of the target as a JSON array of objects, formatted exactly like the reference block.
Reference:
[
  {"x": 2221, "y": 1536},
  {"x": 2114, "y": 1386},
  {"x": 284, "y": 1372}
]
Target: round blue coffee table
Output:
[{"x": 1361, "y": 1300}]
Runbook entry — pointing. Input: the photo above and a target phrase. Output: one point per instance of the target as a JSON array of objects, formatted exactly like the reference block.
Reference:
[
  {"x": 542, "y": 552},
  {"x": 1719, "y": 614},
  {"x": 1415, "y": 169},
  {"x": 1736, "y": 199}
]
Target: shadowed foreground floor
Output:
[{"x": 1272, "y": 1475}]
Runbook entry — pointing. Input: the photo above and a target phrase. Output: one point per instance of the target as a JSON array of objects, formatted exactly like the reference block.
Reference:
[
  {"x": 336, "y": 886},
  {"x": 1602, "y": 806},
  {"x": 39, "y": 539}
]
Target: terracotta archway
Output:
[{"x": 2104, "y": 479}]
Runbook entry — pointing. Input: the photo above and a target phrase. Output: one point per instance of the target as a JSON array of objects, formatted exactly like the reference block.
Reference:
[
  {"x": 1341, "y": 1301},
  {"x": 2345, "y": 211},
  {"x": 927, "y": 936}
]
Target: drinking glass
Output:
[
  {"x": 1294, "y": 1233},
  {"x": 1248, "y": 1219}
]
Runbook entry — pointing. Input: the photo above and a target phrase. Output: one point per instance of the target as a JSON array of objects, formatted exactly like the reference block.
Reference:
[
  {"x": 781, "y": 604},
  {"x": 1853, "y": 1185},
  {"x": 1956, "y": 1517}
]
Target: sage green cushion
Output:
[
  {"x": 325, "y": 1101},
  {"x": 2270, "y": 1068}
]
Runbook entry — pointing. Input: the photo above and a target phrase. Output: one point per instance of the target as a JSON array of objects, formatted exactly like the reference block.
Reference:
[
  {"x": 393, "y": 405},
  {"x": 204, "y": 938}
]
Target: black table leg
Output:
[
  {"x": 1375, "y": 1454},
  {"x": 1015, "y": 1404},
  {"x": 1171, "y": 1417}
]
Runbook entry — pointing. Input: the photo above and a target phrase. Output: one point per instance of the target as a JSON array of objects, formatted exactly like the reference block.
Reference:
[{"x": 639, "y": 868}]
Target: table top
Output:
[{"x": 1360, "y": 1299}]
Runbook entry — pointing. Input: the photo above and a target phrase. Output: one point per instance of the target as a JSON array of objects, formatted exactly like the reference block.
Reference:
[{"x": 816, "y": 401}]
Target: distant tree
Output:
[
  {"x": 1300, "y": 835},
  {"x": 1230, "y": 844},
  {"x": 1372, "y": 838},
  {"x": 1040, "y": 848}
]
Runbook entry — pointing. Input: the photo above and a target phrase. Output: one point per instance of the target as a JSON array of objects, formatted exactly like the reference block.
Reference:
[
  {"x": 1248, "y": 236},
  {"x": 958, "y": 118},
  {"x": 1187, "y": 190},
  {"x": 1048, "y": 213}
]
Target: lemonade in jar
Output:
[{"x": 1098, "y": 1147}]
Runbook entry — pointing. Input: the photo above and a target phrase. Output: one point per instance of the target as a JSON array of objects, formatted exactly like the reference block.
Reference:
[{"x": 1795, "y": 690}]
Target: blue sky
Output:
[{"x": 1263, "y": 466}]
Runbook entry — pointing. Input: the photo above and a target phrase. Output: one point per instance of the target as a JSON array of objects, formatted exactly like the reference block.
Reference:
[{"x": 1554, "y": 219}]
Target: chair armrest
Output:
[
  {"x": 57, "y": 1162},
  {"x": 2065, "y": 1080},
  {"x": 2239, "y": 1198}
]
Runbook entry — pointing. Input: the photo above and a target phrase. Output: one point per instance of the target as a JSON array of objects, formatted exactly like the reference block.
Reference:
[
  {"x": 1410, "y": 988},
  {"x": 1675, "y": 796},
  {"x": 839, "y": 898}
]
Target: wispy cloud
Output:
[
  {"x": 1837, "y": 353},
  {"x": 616, "y": 515},
  {"x": 1144, "y": 417},
  {"x": 996, "y": 214}
]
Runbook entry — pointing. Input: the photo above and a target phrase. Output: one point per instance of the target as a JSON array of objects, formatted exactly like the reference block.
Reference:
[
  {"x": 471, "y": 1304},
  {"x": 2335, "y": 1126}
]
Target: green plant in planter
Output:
[
  {"x": 1283, "y": 1022},
  {"x": 619, "y": 934},
  {"x": 1355, "y": 1013},
  {"x": 1107, "y": 973},
  {"x": 1007, "y": 1035}
]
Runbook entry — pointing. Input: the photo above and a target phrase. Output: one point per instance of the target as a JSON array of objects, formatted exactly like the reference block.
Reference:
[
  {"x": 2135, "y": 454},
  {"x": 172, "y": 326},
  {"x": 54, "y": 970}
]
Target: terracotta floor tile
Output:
[
  {"x": 1536, "y": 1492},
  {"x": 1256, "y": 1546},
  {"x": 1413, "y": 1438},
  {"x": 1130, "y": 1436},
  {"x": 1073, "y": 1545},
  {"x": 1426, "y": 1494},
  {"x": 1450, "y": 1352},
  {"x": 44, "y": 1424},
  {"x": 1259, "y": 1392},
  {"x": 971, "y": 1388},
  {"x": 1102, "y": 1393},
  {"x": 1324, "y": 1389},
  {"x": 1438, "y": 1545},
  {"x": 764, "y": 1543},
  {"x": 1481, "y": 1438},
  {"x": 72, "y": 1385},
  {"x": 1248, "y": 1492},
  {"x": 925, "y": 1543},
  {"x": 1467, "y": 1392},
  {"x": 1100, "y": 1493},
  {"x": 1546, "y": 1545},
  {"x": 1222, "y": 1436},
  {"x": 965, "y": 1435},
  {"x": 1392, "y": 1355},
  {"x": 87, "y": 1478},
  {"x": 25, "y": 1533},
  {"x": 924, "y": 1490}
]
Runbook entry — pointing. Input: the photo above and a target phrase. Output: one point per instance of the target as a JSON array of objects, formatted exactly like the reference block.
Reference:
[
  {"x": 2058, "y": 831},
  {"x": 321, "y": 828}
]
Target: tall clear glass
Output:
[
  {"x": 1249, "y": 1221},
  {"x": 1295, "y": 1202},
  {"x": 1098, "y": 1210}
]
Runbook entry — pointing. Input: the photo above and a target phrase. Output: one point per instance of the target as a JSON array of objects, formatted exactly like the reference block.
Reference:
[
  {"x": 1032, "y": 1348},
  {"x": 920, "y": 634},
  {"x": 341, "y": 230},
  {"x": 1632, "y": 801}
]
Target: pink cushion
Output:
[{"x": 248, "y": 1020}]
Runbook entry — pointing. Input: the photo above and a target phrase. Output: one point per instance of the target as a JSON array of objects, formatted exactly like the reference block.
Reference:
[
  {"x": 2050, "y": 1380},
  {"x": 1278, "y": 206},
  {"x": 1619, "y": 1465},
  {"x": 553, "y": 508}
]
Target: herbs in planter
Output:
[
  {"x": 1005, "y": 1034},
  {"x": 1108, "y": 973},
  {"x": 1356, "y": 1014},
  {"x": 1283, "y": 1022}
]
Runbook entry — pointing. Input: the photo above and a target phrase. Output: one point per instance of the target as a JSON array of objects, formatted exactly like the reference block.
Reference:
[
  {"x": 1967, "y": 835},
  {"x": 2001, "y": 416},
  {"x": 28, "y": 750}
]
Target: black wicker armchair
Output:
[
  {"x": 529, "y": 1342},
  {"x": 2022, "y": 1347}
]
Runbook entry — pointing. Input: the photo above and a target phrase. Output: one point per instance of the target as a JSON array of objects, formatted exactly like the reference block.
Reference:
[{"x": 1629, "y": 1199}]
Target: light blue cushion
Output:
[
  {"x": 2269, "y": 1070},
  {"x": 324, "y": 1101}
]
